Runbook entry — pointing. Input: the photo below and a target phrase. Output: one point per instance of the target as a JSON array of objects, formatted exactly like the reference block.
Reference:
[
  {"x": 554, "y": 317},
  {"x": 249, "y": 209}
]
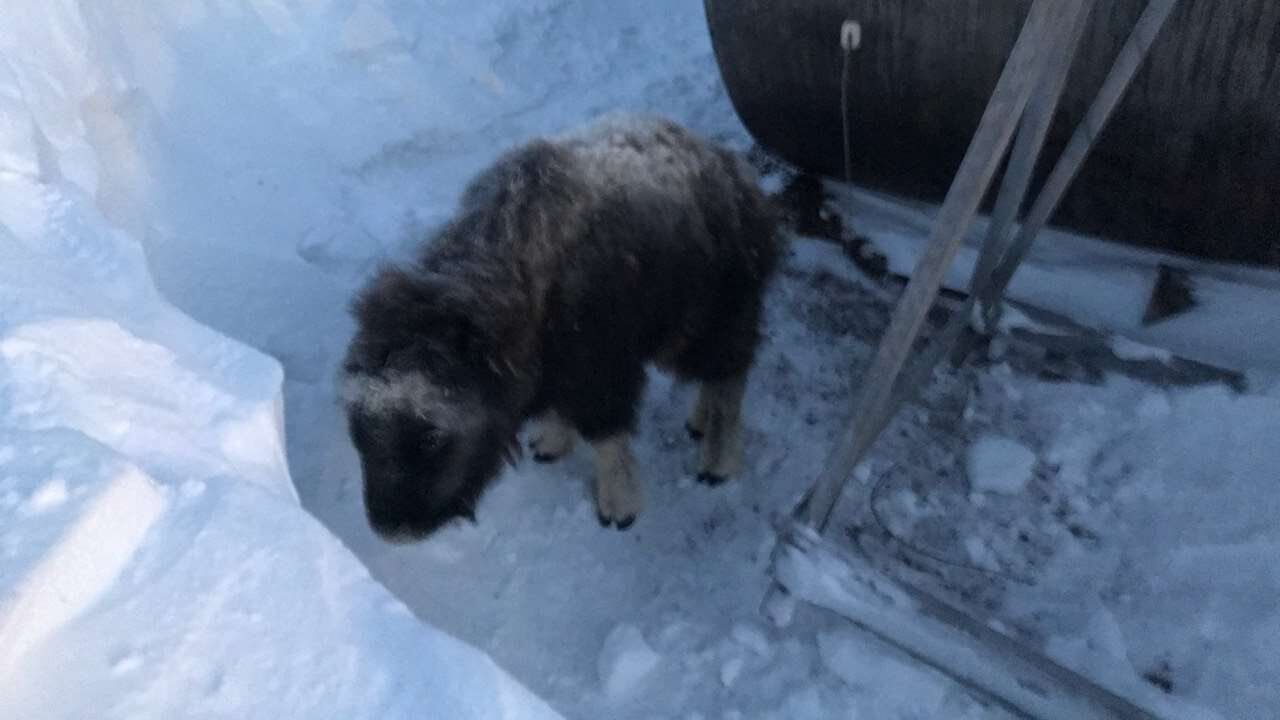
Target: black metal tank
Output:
[{"x": 1190, "y": 162}]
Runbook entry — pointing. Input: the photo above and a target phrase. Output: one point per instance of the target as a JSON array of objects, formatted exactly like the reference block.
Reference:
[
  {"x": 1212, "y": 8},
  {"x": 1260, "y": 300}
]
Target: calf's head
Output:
[{"x": 423, "y": 398}]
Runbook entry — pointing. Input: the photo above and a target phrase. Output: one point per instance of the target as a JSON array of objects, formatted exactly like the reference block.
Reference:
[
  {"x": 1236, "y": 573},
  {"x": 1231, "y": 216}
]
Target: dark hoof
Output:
[
  {"x": 604, "y": 521},
  {"x": 711, "y": 479},
  {"x": 625, "y": 523},
  {"x": 545, "y": 458},
  {"x": 694, "y": 432}
]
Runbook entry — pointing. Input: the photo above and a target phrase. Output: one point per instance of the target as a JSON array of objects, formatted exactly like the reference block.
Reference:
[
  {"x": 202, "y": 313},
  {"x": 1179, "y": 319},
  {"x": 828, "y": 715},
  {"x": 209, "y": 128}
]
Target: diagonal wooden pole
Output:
[
  {"x": 1001, "y": 117},
  {"x": 991, "y": 278},
  {"x": 807, "y": 568},
  {"x": 967, "y": 650},
  {"x": 1031, "y": 137},
  {"x": 1127, "y": 64},
  {"x": 1025, "y": 66},
  {"x": 1022, "y": 162}
]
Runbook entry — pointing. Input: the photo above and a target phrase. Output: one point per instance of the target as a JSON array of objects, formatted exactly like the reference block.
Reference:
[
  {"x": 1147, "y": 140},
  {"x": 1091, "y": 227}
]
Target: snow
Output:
[
  {"x": 846, "y": 655},
  {"x": 154, "y": 558},
  {"x": 625, "y": 661},
  {"x": 1127, "y": 349},
  {"x": 731, "y": 670},
  {"x": 47, "y": 496},
  {"x": 1200, "y": 505},
  {"x": 83, "y": 553},
  {"x": 1000, "y": 465},
  {"x": 189, "y": 194},
  {"x": 1099, "y": 284},
  {"x": 752, "y": 638}
]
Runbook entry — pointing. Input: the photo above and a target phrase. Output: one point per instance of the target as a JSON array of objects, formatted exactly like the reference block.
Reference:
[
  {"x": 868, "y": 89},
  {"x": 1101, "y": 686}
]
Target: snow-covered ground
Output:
[{"x": 254, "y": 158}]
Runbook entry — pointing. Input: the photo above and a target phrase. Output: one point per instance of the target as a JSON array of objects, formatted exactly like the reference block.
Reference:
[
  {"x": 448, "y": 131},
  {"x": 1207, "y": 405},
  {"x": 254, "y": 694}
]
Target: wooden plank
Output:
[
  {"x": 1022, "y": 162},
  {"x": 935, "y": 633},
  {"x": 994, "y": 281},
  {"x": 1026, "y": 148},
  {"x": 1131, "y": 57}
]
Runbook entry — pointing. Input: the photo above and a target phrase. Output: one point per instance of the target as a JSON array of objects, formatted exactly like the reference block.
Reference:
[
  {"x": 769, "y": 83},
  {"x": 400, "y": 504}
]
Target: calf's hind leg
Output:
[
  {"x": 721, "y": 358},
  {"x": 718, "y": 415},
  {"x": 696, "y": 425}
]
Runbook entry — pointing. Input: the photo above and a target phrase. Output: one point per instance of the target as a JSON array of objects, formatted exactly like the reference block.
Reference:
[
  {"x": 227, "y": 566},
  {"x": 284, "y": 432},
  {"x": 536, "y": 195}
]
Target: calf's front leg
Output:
[
  {"x": 718, "y": 415},
  {"x": 619, "y": 493}
]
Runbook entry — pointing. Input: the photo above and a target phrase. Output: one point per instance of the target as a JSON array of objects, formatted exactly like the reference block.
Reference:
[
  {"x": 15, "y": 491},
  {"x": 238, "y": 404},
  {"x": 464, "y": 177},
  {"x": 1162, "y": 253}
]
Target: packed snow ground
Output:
[{"x": 263, "y": 155}]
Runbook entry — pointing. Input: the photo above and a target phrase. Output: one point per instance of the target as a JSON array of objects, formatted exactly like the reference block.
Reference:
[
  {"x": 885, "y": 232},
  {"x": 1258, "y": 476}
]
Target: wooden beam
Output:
[
  {"x": 1025, "y": 65},
  {"x": 1082, "y": 141},
  {"x": 1022, "y": 162},
  {"x": 1030, "y": 141},
  {"x": 992, "y": 280},
  {"x": 939, "y": 635}
]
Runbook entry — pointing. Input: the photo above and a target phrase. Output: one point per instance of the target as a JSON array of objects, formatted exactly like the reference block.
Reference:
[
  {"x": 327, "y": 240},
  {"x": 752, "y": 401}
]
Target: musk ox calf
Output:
[{"x": 570, "y": 264}]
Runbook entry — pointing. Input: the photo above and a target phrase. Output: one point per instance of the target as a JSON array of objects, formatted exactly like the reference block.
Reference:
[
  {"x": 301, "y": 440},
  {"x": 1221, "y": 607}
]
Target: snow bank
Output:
[{"x": 154, "y": 559}]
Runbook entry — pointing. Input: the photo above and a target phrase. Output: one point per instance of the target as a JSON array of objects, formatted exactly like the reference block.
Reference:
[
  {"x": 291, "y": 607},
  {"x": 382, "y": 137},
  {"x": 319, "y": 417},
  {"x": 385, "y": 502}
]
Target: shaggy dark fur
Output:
[{"x": 570, "y": 264}]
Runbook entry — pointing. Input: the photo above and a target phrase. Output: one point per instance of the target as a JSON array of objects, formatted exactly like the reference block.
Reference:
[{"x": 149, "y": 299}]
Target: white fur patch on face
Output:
[{"x": 408, "y": 392}]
